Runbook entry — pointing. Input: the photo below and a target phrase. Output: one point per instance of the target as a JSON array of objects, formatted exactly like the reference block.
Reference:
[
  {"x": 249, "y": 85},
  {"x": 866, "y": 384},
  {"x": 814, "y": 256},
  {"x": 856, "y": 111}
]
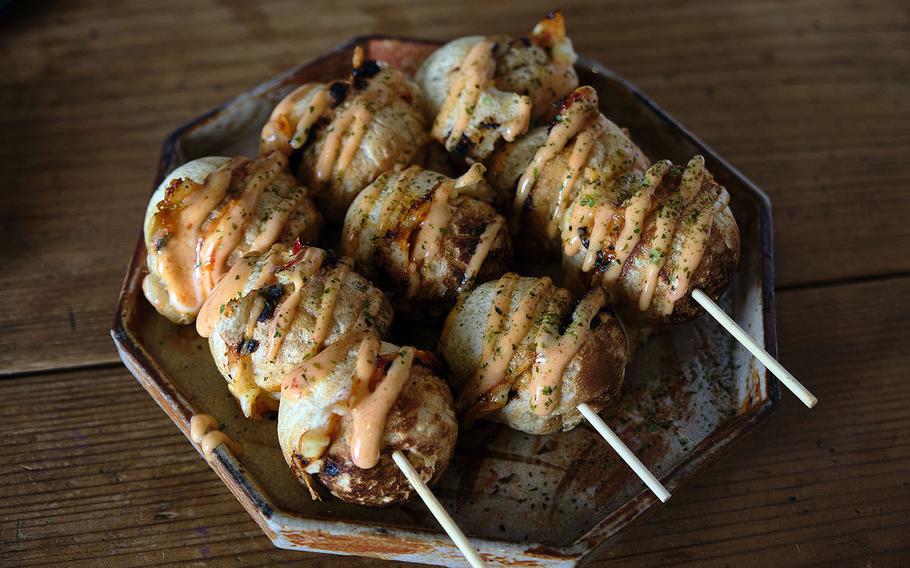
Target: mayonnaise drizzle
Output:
[
  {"x": 484, "y": 245},
  {"x": 319, "y": 103},
  {"x": 225, "y": 233},
  {"x": 581, "y": 151},
  {"x": 429, "y": 234},
  {"x": 579, "y": 118},
  {"x": 343, "y": 135},
  {"x": 347, "y": 129},
  {"x": 693, "y": 249},
  {"x": 231, "y": 287},
  {"x": 427, "y": 242},
  {"x": 366, "y": 357},
  {"x": 352, "y": 123},
  {"x": 554, "y": 352},
  {"x": 391, "y": 201},
  {"x": 331, "y": 290},
  {"x": 620, "y": 230},
  {"x": 602, "y": 220},
  {"x": 309, "y": 265},
  {"x": 504, "y": 331},
  {"x": 666, "y": 217},
  {"x": 633, "y": 217},
  {"x": 473, "y": 74},
  {"x": 271, "y": 228},
  {"x": 369, "y": 411},
  {"x": 177, "y": 260},
  {"x": 318, "y": 367},
  {"x": 277, "y": 132},
  {"x": 197, "y": 248},
  {"x": 226, "y": 290},
  {"x": 204, "y": 431}
]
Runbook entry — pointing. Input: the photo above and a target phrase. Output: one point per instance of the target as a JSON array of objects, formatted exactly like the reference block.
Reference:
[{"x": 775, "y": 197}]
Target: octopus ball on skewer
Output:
[
  {"x": 278, "y": 308},
  {"x": 542, "y": 172},
  {"x": 483, "y": 89},
  {"x": 348, "y": 132},
  {"x": 426, "y": 237},
  {"x": 344, "y": 412},
  {"x": 207, "y": 214},
  {"x": 523, "y": 353},
  {"x": 649, "y": 239}
]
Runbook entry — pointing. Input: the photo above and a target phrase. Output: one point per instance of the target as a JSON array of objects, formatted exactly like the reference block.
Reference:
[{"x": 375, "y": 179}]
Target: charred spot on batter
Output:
[
  {"x": 247, "y": 346},
  {"x": 464, "y": 146},
  {"x": 339, "y": 92},
  {"x": 161, "y": 241},
  {"x": 363, "y": 73},
  {"x": 296, "y": 157},
  {"x": 585, "y": 236},
  {"x": 565, "y": 319},
  {"x": 601, "y": 262},
  {"x": 562, "y": 106},
  {"x": 670, "y": 182},
  {"x": 489, "y": 124},
  {"x": 272, "y": 295},
  {"x": 331, "y": 259},
  {"x": 330, "y": 468},
  {"x": 528, "y": 204},
  {"x": 320, "y": 123}
]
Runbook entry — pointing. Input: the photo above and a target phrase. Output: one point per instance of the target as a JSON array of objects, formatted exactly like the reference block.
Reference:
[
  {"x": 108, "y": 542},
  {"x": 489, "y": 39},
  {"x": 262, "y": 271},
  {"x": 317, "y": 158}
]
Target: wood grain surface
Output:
[{"x": 809, "y": 99}]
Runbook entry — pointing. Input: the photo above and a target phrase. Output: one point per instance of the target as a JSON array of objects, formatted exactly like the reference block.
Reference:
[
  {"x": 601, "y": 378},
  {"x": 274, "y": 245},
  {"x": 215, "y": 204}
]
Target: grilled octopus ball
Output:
[
  {"x": 470, "y": 345},
  {"x": 421, "y": 424},
  {"x": 258, "y": 214},
  {"x": 255, "y": 344},
  {"x": 426, "y": 237},
  {"x": 537, "y": 217},
  {"x": 502, "y": 85},
  {"x": 701, "y": 214},
  {"x": 346, "y": 133}
]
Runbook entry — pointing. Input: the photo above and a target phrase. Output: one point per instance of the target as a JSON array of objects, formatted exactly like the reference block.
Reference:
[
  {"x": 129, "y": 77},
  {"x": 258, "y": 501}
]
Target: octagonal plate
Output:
[{"x": 690, "y": 395}]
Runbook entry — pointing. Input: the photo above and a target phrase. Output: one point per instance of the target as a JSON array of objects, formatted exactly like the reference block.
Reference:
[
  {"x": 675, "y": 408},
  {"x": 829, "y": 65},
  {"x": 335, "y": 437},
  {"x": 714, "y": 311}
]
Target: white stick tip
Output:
[
  {"x": 754, "y": 348},
  {"x": 624, "y": 452},
  {"x": 448, "y": 524}
]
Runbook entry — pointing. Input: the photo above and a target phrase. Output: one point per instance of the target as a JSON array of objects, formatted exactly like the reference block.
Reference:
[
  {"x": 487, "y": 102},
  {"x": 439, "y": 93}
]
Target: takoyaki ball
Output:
[
  {"x": 541, "y": 173},
  {"x": 345, "y": 412},
  {"x": 648, "y": 240},
  {"x": 522, "y": 352},
  {"x": 426, "y": 238},
  {"x": 346, "y": 133},
  {"x": 480, "y": 90},
  {"x": 278, "y": 308},
  {"x": 207, "y": 214}
]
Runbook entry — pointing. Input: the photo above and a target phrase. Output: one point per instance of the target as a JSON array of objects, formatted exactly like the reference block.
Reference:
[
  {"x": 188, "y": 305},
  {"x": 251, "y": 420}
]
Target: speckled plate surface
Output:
[{"x": 690, "y": 395}]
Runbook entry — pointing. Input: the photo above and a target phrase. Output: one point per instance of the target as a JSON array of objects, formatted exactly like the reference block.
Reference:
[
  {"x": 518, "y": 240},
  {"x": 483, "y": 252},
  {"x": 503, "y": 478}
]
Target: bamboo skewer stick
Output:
[
  {"x": 624, "y": 452},
  {"x": 435, "y": 507},
  {"x": 767, "y": 360}
]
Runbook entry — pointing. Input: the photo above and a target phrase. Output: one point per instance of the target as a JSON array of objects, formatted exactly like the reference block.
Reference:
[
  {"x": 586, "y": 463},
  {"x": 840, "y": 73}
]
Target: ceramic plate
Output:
[{"x": 691, "y": 393}]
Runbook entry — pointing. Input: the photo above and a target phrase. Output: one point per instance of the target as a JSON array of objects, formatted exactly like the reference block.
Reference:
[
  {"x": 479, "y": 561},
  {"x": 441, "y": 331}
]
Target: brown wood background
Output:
[{"x": 810, "y": 99}]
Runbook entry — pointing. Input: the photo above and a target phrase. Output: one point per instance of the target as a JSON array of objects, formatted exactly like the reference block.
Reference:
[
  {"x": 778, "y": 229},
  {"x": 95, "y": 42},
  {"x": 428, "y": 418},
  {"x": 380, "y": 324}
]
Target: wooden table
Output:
[{"x": 809, "y": 99}]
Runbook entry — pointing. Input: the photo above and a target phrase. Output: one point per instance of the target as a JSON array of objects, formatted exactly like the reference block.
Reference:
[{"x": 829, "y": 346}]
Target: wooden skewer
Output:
[
  {"x": 435, "y": 507},
  {"x": 767, "y": 360},
  {"x": 624, "y": 452}
]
